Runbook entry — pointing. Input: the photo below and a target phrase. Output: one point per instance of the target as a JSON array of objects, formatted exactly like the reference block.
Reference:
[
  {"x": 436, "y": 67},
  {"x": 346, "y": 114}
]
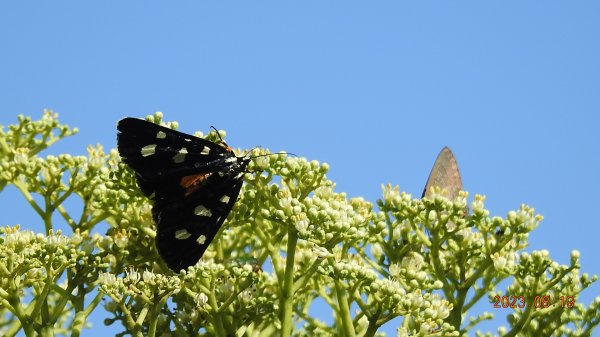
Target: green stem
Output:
[
  {"x": 142, "y": 316},
  {"x": 307, "y": 275},
  {"x": 217, "y": 317},
  {"x": 286, "y": 305},
  {"x": 372, "y": 328},
  {"x": 41, "y": 309},
  {"x": 23, "y": 189},
  {"x": 230, "y": 299},
  {"x": 81, "y": 316},
  {"x": 455, "y": 318},
  {"x": 64, "y": 297},
  {"x": 342, "y": 300},
  {"x": 4, "y": 146},
  {"x": 267, "y": 332},
  {"x": 438, "y": 269},
  {"x": 47, "y": 326},
  {"x": 127, "y": 315},
  {"x": 273, "y": 252},
  {"x": 63, "y": 212},
  {"x": 315, "y": 322},
  {"x": 24, "y": 319}
]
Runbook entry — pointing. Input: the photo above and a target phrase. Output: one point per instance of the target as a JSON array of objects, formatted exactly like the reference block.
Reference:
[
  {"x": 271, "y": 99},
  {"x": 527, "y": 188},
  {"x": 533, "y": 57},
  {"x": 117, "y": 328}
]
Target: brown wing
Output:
[{"x": 444, "y": 174}]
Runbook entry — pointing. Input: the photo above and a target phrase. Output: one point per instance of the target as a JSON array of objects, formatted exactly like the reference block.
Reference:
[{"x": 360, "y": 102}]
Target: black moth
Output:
[{"x": 192, "y": 181}]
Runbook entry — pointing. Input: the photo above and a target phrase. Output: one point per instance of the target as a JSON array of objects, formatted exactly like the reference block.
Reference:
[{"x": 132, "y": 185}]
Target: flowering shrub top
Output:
[{"x": 291, "y": 240}]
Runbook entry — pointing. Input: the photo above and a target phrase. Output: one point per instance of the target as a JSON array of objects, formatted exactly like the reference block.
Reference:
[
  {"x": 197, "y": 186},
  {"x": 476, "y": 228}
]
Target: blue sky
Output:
[{"x": 375, "y": 89}]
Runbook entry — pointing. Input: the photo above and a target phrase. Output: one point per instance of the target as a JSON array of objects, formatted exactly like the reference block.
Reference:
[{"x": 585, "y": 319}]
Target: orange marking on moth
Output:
[{"x": 192, "y": 183}]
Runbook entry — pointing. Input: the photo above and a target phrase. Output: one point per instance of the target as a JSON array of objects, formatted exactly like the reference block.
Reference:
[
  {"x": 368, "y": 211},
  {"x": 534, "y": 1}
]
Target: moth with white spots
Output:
[{"x": 176, "y": 171}]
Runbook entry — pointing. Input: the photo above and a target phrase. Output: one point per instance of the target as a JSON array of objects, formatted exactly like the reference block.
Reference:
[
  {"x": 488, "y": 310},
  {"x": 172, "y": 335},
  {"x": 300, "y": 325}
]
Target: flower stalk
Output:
[{"x": 287, "y": 295}]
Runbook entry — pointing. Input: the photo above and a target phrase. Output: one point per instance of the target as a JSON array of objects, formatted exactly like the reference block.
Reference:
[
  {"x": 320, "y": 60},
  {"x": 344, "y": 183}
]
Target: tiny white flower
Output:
[
  {"x": 499, "y": 262},
  {"x": 321, "y": 251},
  {"x": 201, "y": 300},
  {"x": 107, "y": 278},
  {"x": 147, "y": 276},
  {"x": 132, "y": 275}
]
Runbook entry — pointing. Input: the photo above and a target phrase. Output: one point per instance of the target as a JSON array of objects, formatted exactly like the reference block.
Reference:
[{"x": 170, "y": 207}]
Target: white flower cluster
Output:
[
  {"x": 392, "y": 296},
  {"x": 28, "y": 250},
  {"x": 145, "y": 284},
  {"x": 326, "y": 216},
  {"x": 350, "y": 270}
]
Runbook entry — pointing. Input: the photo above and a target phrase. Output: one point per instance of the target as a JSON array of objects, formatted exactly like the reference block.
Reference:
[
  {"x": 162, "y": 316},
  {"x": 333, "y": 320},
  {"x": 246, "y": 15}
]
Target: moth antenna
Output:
[
  {"x": 218, "y": 134},
  {"x": 274, "y": 154}
]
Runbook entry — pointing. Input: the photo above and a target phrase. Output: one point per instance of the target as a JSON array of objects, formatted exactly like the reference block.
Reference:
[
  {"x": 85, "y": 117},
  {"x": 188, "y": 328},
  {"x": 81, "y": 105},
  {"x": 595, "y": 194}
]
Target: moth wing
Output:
[
  {"x": 186, "y": 226},
  {"x": 161, "y": 156}
]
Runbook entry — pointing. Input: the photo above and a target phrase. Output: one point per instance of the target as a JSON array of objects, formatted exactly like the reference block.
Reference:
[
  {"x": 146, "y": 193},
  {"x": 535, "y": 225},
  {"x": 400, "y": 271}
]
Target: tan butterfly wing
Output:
[{"x": 445, "y": 175}]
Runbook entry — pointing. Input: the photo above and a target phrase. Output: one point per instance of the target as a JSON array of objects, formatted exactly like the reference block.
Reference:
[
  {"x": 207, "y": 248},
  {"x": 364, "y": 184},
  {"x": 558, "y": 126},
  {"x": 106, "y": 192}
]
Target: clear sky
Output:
[{"x": 375, "y": 89}]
